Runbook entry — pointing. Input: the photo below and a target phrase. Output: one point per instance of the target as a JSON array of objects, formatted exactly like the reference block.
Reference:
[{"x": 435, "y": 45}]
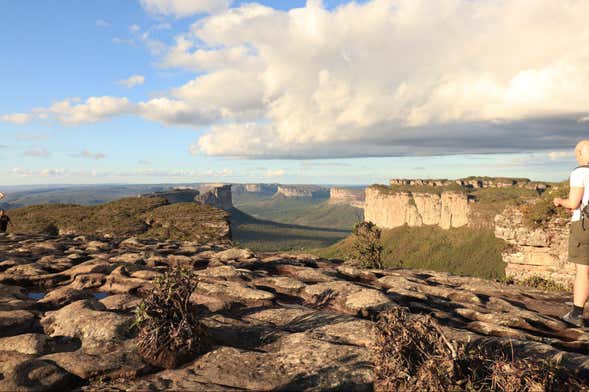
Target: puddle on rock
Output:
[
  {"x": 100, "y": 296},
  {"x": 36, "y": 296}
]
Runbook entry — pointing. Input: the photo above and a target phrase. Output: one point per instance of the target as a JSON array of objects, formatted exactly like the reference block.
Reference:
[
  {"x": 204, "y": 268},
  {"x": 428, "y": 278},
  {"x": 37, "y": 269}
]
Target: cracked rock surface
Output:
[{"x": 277, "y": 321}]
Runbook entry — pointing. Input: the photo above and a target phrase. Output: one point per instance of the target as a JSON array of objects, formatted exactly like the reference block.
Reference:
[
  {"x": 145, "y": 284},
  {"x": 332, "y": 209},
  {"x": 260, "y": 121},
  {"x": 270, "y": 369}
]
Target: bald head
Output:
[{"x": 582, "y": 152}]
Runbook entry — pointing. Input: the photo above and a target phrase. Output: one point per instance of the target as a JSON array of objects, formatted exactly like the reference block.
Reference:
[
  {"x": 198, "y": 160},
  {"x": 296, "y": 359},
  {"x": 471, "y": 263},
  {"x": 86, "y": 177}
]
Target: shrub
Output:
[
  {"x": 412, "y": 354},
  {"x": 366, "y": 245},
  {"x": 539, "y": 282},
  {"x": 170, "y": 333}
]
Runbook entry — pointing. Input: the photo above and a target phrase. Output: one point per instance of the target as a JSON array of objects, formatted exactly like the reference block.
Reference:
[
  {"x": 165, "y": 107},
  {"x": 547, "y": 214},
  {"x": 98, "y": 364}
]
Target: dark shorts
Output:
[{"x": 579, "y": 242}]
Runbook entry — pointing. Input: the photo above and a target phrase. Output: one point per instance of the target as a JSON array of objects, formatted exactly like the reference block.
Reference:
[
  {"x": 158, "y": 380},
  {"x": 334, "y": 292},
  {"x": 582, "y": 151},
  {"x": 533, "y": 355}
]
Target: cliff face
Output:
[
  {"x": 353, "y": 197},
  {"x": 390, "y": 210},
  {"x": 301, "y": 191},
  {"x": 540, "y": 251},
  {"x": 219, "y": 197}
]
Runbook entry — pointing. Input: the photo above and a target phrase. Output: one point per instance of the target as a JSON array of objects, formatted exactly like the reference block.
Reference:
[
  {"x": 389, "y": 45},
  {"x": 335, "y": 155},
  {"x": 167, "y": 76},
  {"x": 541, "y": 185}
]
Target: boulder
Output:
[{"x": 88, "y": 321}]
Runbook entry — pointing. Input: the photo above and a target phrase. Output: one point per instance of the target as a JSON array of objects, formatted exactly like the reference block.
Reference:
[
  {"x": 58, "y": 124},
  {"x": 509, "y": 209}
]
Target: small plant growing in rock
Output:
[
  {"x": 366, "y": 245},
  {"x": 170, "y": 332}
]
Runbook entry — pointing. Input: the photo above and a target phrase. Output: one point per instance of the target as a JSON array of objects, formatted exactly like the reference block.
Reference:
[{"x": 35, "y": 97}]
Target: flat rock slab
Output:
[
  {"x": 16, "y": 322},
  {"x": 276, "y": 321}
]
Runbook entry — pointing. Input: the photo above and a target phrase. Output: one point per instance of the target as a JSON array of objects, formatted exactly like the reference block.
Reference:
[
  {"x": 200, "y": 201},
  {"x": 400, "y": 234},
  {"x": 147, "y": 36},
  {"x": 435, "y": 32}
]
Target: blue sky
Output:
[{"x": 283, "y": 91}]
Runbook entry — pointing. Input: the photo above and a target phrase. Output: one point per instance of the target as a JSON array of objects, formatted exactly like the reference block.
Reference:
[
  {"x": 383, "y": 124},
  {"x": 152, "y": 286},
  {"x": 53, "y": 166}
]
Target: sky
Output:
[{"x": 327, "y": 92}]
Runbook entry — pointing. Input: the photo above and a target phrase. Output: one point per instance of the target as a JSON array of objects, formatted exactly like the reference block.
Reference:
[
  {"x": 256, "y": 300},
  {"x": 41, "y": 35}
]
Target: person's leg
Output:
[{"x": 581, "y": 290}]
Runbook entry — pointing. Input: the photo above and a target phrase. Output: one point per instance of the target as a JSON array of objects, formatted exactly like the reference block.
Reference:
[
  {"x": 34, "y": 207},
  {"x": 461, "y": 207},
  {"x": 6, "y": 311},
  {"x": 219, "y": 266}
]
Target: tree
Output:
[{"x": 367, "y": 245}]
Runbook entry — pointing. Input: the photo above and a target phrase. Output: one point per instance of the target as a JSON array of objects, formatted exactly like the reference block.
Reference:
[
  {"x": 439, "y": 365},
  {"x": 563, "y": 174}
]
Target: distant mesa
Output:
[
  {"x": 177, "y": 195},
  {"x": 261, "y": 189},
  {"x": 215, "y": 195},
  {"x": 296, "y": 191},
  {"x": 218, "y": 196},
  {"x": 347, "y": 196}
]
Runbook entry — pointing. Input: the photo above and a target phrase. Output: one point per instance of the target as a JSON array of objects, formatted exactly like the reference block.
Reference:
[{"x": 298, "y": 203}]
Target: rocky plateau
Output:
[{"x": 277, "y": 321}]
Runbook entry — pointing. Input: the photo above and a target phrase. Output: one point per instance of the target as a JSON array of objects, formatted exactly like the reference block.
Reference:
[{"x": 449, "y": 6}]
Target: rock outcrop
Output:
[
  {"x": 177, "y": 195},
  {"x": 219, "y": 197},
  {"x": 276, "y": 321},
  {"x": 302, "y": 191},
  {"x": 348, "y": 196},
  {"x": 540, "y": 251},
  {"x": 147, "y": 217},
  {"x": 473, "y": 183},
  {"x": 388, "y": 209}
]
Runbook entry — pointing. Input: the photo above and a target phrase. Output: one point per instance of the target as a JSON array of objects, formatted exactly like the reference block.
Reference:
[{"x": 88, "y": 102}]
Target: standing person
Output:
[
  {"x": 579, "y": 232},
  {"x": 4, "y": 221}
]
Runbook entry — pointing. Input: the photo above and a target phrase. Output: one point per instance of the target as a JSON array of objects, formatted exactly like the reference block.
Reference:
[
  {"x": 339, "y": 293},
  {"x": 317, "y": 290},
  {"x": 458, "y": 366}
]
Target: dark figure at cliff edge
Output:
[
  {"x": 579, "y": 232},
  {"x": 4, "y": 221}
]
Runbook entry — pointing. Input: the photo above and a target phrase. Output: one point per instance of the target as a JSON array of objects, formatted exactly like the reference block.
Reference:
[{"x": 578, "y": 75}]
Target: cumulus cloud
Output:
[
  {"x": 183, "y": 8},
  {"x": 85, "y": 154},
  {"x": 416, "y": 77},
  {"x": 16, "y": 118},
  {"x": 73, "y": 111},
  {"x": 132, "y": 81}
]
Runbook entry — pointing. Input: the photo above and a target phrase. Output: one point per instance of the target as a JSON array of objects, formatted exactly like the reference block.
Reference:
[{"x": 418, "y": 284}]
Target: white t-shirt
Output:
[{"x": 580, "y": 178}]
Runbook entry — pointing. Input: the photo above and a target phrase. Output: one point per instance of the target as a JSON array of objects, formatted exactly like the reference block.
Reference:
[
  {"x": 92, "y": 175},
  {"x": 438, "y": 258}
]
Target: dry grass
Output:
[
  {"x": 412, "y": 354},
  {"x": 170, "y": 332}
]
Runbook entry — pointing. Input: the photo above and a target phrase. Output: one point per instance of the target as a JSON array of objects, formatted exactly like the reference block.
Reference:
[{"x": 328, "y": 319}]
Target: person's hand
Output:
[
  {"x": 557, "y": 201},
  {"x": 1, "y": 195}
]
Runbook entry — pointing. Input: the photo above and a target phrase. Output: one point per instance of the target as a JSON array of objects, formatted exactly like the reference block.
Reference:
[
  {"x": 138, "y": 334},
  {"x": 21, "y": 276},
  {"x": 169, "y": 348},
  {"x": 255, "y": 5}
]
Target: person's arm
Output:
[{"x": 574, "y": 200}]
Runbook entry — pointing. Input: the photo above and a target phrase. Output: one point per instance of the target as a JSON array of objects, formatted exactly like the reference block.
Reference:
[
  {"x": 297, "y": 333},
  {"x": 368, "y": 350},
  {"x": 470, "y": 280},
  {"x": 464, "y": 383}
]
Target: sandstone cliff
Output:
[
  {"x": 349, "y": 196},
  {"x": 541, "y": 251},
  {"x": 389, "y": 209},
  {"x": 301, "y": 191},
  {"x": 218, "y": 196}
]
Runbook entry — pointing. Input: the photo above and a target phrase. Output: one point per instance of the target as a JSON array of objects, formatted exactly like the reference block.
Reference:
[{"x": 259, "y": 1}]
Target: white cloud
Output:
[
  {"x": 73, "y": 111},
  {"x": 102, "y": 23},
  {"x": 134, "y": 28},
  {"x": 556, "y": 155},
  {"x": 183, "y": 8},
  {"x": 16, "y": 118},
  {"x": 132, "y": 81},
  {"x": 274, "y": 173},
  {"x": 89, "y": 155},
  {"x": 36, "y": 152},
  {"x": 415, "y": 77}
]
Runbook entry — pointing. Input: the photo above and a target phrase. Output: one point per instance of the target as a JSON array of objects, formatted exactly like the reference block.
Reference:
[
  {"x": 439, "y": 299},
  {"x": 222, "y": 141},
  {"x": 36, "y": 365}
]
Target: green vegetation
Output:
[
  {"x": 313, "y": 212},
  {"x": 170, "y": 332},
  {"x": 367, "y": 245},
  {"x": 461, "y": 251},
  {"x": 539, "y": 212},
  {"x": 267, "y": 236},
  {"x": 539, "y": 282},
  {"x": 146, "y": 217},
  {"x": 437, "y": 190},
  {"x": 492, "y": 201}
]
